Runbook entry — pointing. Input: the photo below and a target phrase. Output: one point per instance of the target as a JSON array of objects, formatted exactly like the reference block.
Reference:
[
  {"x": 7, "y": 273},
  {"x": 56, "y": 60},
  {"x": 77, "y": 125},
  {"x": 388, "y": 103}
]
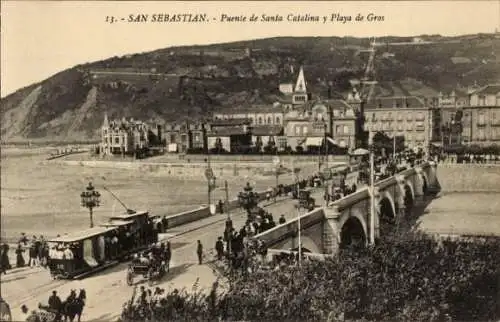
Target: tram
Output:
[{"x": 85, "y": 252}]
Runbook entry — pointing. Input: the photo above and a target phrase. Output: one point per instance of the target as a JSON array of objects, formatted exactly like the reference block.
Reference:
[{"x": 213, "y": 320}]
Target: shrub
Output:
[{"x": 413, "y": 278}]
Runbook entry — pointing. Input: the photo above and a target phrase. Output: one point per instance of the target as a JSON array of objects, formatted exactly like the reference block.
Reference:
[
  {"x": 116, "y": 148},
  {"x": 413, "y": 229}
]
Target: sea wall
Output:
[
  {"x": 469, "y": 177},
  {"x": 190, "y": 170}
]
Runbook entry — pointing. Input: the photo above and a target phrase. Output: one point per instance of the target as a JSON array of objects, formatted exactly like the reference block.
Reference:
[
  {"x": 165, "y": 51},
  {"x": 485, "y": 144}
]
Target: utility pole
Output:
[
  {"x": 394, "y": 146},
  {"x": 227, "y": 199},
  {"x": 372, "y": 195},
  {"x": 299, "y": 230}
]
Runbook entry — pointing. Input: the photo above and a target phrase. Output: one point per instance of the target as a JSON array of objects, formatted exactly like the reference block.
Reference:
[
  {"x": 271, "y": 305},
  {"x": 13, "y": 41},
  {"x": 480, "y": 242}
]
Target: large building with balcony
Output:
[
  {"x": 481, "y": 118},
  {"x": 308, "y": 125},
  {"x": 128, "y": 136},
  {"x": 409, "y": 117}
]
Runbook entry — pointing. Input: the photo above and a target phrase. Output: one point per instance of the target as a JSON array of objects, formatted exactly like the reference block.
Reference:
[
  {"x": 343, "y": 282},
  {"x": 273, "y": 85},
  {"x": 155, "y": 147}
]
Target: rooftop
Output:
[
  {"x": 492, "y": 89},
  {"x": 267, "y": 130},
  {"x": 227, "y": 131},
  {"x": 236, "y": 121},
  {"x": 402, "y": 102}
]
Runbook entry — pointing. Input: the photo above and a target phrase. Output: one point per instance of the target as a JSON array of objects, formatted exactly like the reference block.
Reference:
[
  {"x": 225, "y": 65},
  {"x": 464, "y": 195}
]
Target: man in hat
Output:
[{"x": 219, "y": 247}]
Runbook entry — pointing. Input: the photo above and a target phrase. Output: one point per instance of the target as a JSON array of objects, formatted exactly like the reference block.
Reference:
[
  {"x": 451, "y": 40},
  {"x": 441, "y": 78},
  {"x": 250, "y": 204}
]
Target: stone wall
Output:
[{"x": 469, "y": 177}]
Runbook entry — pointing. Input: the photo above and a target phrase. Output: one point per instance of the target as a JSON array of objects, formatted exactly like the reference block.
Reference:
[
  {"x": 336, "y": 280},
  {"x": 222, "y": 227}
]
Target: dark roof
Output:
[
  {"x": 237, "y": 121},
  {"x": 252, "y": 109},
  {"x": 395, "y": 102},
  {"x": 227, "y": 131},
  {"x": 267, "y": 130},
  {"x": 336, "y": 103},
  {"x": 489, "y": 89}
]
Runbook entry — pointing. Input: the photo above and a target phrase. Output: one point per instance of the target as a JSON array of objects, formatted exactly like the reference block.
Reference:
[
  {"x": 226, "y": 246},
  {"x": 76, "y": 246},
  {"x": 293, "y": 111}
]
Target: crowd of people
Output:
[{"x": 37, "y": 250}]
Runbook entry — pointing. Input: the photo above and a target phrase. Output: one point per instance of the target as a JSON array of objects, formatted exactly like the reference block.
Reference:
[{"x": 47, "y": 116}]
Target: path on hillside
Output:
[{"x": 108, "y": 290}]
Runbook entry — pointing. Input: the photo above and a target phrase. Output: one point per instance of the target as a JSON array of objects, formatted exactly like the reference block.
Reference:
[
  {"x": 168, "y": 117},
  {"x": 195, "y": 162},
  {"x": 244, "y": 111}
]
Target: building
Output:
[
  {"x": 481, "y": 118},
  {"x": 229, "y": 135},
  {"x": 128, "y": 137},
  {"x": 447, "y": 115},
  {"x": 294, "y": 95},
  {"x": 308, "y": 125},
  {"x": 186, "y": 136},
  {"x": 409, "y": 117}
]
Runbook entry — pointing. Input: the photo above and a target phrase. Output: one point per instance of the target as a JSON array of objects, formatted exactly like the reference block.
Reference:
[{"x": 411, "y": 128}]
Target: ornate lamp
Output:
[{"x": 91, "y": 199}]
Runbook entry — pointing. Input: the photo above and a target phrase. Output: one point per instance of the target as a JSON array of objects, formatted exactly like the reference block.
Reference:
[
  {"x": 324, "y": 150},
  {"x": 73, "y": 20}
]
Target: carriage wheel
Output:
[{"x": 130, "y": 278}]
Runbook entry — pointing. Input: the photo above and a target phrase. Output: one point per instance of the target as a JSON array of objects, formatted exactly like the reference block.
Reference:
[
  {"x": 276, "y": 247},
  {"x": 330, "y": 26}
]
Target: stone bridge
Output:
[{"x": 347, "y": 220}]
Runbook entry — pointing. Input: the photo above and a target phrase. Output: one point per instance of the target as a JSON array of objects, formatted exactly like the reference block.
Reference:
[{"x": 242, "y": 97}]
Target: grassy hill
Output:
[{"x": 191, "y": 82}]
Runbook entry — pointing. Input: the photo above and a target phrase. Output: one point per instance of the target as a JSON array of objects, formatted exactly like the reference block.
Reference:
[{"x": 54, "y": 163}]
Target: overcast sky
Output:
[{"x": 39, "y": 39}]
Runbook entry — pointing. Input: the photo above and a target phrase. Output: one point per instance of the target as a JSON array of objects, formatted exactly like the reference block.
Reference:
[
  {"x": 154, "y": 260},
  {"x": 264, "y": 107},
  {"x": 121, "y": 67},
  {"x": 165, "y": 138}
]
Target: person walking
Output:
[
  {"x": 19, "y": 256},
  {"x": 282, "y": 220},
  {"x": 199, "y": 252},
  {"x": 219, "y": 247},
  {"x": 4, "y": 258}
]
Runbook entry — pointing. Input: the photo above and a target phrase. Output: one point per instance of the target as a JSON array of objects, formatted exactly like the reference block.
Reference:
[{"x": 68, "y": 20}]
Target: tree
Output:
[{"x": 382, "y": 142}]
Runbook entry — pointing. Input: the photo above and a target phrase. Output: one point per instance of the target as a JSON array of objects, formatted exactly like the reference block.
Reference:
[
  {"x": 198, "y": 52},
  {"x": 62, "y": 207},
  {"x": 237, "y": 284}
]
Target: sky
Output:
[{"x": 41, "y": 38}]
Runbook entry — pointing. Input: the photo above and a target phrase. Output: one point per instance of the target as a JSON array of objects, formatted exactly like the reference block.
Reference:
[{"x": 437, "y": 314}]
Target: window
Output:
[
  {"x": 481, "y": 135},
  {"x": 251, "y": 120},
  {"x": 297, "y": 130},
  {"x": 346, "y": 129},
  {"x": 304, "y": 130},
  {"x": 282, "y": 142},
  {"x": 420, "y": 116},
  {"x": 389, "y": 116},
  {"x": 172, "y": 138},
  {"x": 117, "y": 140},
  {"x": 278, "y": 120},
  {"x": 260, "y": 120},
  {"x": 269, "y": 120},
  {"x": 400, "y": 116},
  {"x": 481, "y": 120},
  {"x": 338, "y": 129},
  {"x": 197, "y": 137},
  {"x": 409, "y": 116},
  {"x": 419, "y": 126}
]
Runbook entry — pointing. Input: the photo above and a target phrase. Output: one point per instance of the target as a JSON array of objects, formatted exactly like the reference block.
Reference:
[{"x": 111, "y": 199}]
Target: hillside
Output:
[{"x": 191, "y": 82}]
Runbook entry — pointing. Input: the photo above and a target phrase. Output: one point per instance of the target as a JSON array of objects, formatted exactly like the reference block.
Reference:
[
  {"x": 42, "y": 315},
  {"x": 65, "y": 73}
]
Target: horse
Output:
[{"x": 74, "y": 305}]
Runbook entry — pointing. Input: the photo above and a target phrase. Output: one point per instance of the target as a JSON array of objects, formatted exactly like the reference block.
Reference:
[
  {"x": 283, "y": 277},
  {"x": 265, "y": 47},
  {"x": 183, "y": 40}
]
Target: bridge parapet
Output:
[
  {"x": 279, "y": 233},
  {"x": 348, "y": 219}
]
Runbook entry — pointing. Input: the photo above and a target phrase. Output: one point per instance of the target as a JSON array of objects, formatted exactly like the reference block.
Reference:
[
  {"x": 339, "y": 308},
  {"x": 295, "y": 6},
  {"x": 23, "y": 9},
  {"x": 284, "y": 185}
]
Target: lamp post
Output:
[
  {"x": 248, "y": 199},
  {"x": 372, "y": 195},
  {"x": 90, "y": 199}
]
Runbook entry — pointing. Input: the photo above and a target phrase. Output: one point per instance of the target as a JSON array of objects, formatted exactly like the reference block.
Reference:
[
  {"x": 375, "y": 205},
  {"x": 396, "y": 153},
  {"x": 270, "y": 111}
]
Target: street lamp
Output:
[
  {"x": 248, "y": 199},
  {"x": 90, "y": 199}
]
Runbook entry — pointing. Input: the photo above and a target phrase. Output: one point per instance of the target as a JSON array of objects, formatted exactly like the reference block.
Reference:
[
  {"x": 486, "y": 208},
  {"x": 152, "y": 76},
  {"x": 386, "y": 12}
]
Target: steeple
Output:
[
  {"x": 300, "y": 86},
  {"x": 106, "y": 122}
]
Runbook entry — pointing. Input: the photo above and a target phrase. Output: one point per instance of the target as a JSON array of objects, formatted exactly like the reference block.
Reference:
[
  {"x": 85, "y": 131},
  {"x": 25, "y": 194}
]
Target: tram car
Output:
[{"x": 78, "y": 254}]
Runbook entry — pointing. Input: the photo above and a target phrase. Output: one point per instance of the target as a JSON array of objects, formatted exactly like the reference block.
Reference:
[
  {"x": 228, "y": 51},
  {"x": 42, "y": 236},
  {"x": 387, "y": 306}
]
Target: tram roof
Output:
[
  {"x": 129, "y": 216},
  {"x": 82, "y": 235}
]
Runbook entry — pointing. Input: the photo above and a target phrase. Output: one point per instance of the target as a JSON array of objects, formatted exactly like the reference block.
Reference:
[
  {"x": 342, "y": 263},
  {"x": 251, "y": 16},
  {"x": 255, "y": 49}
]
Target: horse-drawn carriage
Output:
[
  {"x": 305, "y": 199},
  {"x": 152, "y": 269}
]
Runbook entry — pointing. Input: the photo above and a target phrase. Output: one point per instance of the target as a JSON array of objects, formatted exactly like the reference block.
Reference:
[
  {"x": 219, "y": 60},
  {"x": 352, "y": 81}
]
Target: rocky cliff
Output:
[{"x": 191, "y": 82}]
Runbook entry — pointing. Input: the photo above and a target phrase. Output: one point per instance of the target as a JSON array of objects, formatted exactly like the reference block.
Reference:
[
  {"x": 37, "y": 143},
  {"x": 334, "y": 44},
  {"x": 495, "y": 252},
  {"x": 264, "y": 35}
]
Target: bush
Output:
[{"x": 415, "y": 278}]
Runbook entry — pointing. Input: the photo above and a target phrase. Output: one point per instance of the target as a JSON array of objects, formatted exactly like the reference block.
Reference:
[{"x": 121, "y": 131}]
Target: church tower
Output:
[
  {"x": 300, "y": 95},
  {"x": 105, "y": 136}
]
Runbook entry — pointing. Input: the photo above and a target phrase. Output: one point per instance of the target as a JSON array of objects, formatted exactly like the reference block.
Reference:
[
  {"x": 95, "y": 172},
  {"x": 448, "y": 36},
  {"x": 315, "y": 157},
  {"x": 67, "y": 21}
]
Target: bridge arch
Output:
[
  {"x": 425, "y": 182},
  {"x": 387, "y": 208},
  {"x": 353, "y": 232},
  {"x": 308, "y": 245},
  {"x": 409, "y": 196},
  {"x": 409, "y": 191}
]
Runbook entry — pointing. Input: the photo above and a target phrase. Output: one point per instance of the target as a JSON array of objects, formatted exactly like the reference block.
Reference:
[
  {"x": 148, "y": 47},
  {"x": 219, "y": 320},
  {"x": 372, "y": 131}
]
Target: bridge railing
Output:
[{"x": 290, "y": 229}]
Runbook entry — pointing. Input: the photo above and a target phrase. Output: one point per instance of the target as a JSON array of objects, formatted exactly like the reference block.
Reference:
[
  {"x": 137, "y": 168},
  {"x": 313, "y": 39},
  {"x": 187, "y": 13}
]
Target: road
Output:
[{"x": 108, "y": 291}]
